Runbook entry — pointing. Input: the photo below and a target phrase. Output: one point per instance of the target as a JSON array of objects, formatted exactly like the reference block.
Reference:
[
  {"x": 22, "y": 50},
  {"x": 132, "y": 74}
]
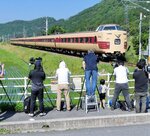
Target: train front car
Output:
[{"x": 112, "y": 41}]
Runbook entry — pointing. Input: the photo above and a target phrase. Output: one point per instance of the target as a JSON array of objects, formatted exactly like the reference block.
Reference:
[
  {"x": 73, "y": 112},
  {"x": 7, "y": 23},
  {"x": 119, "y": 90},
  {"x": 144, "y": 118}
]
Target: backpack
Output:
[
  {"x": 27, "y": 101},
  {"x": 123, "y": 105}
]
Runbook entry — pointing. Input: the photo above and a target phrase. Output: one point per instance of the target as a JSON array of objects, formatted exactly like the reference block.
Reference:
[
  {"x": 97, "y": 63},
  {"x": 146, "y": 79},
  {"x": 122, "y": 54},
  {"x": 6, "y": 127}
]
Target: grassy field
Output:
[
  {"x": 19, "y": 57},
  {"x": 16, "y": 61}
]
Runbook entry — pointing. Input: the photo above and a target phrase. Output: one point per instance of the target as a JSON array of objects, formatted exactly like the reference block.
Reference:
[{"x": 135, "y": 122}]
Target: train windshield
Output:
[
  {"x": 108, "y": 27},
  {"x": 119, "y": 28}
]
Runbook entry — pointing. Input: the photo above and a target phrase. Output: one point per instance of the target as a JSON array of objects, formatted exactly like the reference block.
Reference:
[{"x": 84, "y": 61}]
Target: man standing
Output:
[
  {"x": 90, "y": 66},
  {"x": 141, "y": 87},
  {"x": 63, "y": 74},
  {"x": 37, "y": 76},
  {"x": 121, "y": 84}
]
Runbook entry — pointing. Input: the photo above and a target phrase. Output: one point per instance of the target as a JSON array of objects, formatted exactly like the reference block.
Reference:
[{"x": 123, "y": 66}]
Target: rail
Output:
[{"x": 19, "y": 88}]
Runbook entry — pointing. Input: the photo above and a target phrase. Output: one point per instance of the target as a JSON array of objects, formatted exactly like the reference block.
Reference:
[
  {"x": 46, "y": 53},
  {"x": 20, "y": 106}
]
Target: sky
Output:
[{"x": 11, "y": 10}]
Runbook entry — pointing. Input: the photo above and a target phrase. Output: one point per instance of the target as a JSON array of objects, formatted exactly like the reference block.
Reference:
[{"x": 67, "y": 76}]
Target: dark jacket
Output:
[
  {"x": 91, "y": 61},
  {"x": 141, "y": 81},
  {"x": 37, "y": 76}
]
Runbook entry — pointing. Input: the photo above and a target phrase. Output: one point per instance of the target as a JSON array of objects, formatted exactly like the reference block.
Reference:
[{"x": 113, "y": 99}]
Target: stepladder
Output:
[{"x": 91, "y": 103}]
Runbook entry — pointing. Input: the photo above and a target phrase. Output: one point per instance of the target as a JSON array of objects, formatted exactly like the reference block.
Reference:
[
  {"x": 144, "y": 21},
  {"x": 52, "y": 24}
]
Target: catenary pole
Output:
[
  {"x": 149, "y": 45},
  {"x": 140, "y": 45}
]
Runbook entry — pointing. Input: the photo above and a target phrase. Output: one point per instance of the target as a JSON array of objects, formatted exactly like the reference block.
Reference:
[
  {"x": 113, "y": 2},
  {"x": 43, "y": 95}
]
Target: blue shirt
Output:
[{"x": 91, "y": 61}]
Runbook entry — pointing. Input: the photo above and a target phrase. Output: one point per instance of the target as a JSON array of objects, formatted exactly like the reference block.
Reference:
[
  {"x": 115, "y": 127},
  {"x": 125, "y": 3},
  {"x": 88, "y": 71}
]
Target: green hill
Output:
[{"x": 106, "y": 11}]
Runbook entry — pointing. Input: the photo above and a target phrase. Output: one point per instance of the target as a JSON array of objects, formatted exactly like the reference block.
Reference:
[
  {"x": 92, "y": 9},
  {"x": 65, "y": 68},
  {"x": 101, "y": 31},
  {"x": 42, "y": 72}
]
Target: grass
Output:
[
  {"x": 4, "y": 131},
  {"x": 16, "y": 60},
  {"x": 19, "y": 57}
]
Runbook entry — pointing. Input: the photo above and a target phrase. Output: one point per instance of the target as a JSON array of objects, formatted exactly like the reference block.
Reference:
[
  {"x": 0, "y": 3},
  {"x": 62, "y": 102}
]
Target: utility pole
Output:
[
  {"x": 149, "y": 45},
  {"x": 24, "y": 32},
  {"x": 46, "y": 26},
  {"x": 140, "y": 45}
]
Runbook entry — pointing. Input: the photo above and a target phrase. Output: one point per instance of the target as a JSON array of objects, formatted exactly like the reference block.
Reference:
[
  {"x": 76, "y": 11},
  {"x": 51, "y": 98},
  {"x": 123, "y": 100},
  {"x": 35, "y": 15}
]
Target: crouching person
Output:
[
  {"x": 62, "y": 74},
  {"x": 37, "y": 76}
]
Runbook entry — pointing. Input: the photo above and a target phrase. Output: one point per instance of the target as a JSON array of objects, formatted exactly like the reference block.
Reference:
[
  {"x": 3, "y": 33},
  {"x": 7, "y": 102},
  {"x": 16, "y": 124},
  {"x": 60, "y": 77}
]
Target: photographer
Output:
[
  {"x": 91, "y": 71},
  {"x": 37, "y": 76},
  {"x": 121, "y": 84},
  {"x": 63, "y": 75},
  {"x": 141, "y": 86},
  {"x": 1, "y": 70}
]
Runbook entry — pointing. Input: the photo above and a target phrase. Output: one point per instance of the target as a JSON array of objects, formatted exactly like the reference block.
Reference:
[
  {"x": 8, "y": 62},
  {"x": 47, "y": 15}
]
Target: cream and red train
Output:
[{"x": 107, "y": 41}]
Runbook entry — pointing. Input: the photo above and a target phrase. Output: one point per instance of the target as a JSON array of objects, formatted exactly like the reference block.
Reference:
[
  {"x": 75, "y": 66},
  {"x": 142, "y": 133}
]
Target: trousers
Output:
[
  {"x": 91, "y": 81},
  {"x": 140, "y": 99},
  {"x": 34, "y": 95},
  {"x": 121, "y": 87},
  {"x": 65, "y": 89}
]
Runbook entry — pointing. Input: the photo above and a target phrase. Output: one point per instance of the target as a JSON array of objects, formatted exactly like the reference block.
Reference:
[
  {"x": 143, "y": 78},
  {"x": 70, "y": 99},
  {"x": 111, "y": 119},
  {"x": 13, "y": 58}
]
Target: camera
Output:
[
  {"x": 32, "y": 60},
  {"x": 142, "y": 65},
  {"x": 147, "y": 68},
  {"x": 114, "y": 64}
]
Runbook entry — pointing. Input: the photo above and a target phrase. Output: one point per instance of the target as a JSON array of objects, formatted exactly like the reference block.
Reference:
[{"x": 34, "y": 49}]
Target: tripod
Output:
[
  {"x": 80, "y": 94},
  {"x": 24, "y": 90},
  {"x": 49, "y": 98},
  {"x": 7, "y": 94},
  {"x": 45, "y": 91}
]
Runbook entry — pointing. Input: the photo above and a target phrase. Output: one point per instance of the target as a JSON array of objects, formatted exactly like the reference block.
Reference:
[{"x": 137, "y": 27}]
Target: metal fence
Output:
[{"x": 19, "y": 88}]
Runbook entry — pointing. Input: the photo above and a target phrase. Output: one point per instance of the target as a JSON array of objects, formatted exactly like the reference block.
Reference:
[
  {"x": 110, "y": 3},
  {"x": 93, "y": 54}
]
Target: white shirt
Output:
[
  {"x": 121, "y": 74},
  {"x": 63, "y": 74},
  {"x": 103, "y": 89}
]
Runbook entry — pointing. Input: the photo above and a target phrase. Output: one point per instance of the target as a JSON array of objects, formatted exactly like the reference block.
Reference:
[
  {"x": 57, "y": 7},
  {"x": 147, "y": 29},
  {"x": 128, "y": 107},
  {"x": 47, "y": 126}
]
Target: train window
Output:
[
  {"x": 45, "y": 40},
  {"x": 81, "y": 40},
  {"x": 68, "y": 39},
  {"x": 64, "y": 40},
  {"x": 90, "y": 39},
  {"x": 52, "y": 40},
  {"x": 119, "y": 27},
  {"x": 100, "y": 28},
  {"x": 109, "y": 28},
  {"x": 86, "y": 39},
  {"x": 76, "y": 40},
  {"x": 72, "y": 40}
]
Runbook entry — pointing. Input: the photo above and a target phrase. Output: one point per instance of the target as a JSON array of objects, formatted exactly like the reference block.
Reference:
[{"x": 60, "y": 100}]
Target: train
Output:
[{"x": 108, "y": 41}]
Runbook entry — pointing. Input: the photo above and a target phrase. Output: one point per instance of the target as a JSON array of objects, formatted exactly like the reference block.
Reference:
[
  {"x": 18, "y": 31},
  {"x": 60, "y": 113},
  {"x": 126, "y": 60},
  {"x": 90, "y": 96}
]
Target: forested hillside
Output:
[{"x": 106, "y": 11}]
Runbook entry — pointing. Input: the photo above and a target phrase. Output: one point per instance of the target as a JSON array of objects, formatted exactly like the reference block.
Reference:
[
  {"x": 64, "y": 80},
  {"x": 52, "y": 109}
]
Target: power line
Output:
[{"x": 134, "y": 3}]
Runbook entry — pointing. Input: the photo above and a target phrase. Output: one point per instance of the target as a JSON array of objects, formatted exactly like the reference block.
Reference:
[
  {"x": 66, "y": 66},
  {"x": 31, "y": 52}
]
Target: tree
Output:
[{"x": 56, "y": 30}]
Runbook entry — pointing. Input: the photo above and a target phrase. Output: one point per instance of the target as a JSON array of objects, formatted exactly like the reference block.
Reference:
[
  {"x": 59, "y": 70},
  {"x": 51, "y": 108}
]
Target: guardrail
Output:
[{"x": 19, "y": 88}]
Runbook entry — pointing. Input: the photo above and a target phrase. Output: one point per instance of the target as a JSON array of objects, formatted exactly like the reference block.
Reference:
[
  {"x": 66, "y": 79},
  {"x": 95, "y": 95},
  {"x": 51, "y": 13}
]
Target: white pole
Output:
[
  {"x": 149, "y": 45},
  {"x": 46, "y": 25},
  {"x": 140, "y": 45}
]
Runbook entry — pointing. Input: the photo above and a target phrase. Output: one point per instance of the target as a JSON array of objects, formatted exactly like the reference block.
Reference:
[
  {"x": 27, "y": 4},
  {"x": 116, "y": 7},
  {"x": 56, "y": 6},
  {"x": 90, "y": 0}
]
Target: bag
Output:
[
  {"x": 122, "y": 105},
  {"x": 36, "y": 87},
  {"x": 27, "y": 101}
]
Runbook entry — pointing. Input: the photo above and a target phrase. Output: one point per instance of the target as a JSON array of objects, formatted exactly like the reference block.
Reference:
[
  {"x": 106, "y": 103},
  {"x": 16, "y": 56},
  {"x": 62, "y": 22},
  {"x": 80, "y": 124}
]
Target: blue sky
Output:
[{"x": 11, "y": 10}]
